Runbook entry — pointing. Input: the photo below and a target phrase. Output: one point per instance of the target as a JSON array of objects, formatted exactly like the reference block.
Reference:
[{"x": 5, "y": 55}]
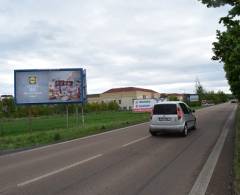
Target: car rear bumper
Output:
[{"x": 166, "y": 128}]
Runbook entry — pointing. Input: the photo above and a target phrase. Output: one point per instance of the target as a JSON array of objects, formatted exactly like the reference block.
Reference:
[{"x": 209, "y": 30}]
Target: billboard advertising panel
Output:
[
  {"x": 50, "y": 86},
  {"x": 143, "y": 105},
  {"x": 193, "y": 98}
]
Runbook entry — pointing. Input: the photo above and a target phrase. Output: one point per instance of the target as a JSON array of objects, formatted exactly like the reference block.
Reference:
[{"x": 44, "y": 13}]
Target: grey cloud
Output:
[
  {"x": 36, "y": 37},
  {"x": 121, "y": 43}
]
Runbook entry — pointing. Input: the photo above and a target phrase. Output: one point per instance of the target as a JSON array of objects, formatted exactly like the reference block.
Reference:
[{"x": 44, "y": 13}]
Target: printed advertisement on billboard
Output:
[
  {"x": 50, "y": 86},
  {"x": 194, "y": 98},
  {"x": 143, "y": 105}
]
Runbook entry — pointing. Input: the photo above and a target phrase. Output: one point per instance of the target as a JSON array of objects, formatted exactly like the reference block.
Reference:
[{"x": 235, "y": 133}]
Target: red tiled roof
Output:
[
  {"x": 175, "y": 94},
  {"x": 128, "y": 89},
  {"x": 93, "y": 95}
]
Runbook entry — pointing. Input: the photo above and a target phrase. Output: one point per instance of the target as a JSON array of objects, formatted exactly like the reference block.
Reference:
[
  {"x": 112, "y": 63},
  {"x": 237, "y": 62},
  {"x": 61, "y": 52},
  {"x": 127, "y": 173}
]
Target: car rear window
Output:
[{"x": 165, "y": 109}]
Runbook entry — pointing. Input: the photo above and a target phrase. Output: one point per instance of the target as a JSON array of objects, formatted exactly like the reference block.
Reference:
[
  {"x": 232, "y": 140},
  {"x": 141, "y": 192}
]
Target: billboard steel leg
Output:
[
  {"x": 77, "y": 115},
  {"x": 67, "y": 116},
  {"x": 83, "y": 120},
  {"x": 30, "y": 118}
]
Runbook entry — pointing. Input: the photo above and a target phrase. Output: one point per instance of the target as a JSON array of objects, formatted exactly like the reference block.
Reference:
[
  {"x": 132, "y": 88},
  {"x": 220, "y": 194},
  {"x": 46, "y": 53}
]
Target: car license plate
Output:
[{"x": 164, "y": 119}]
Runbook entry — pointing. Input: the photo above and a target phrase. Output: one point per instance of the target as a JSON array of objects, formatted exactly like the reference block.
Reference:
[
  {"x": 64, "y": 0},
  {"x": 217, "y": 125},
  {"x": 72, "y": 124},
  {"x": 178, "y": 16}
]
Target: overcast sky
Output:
[{"x": 161, "y": 45}]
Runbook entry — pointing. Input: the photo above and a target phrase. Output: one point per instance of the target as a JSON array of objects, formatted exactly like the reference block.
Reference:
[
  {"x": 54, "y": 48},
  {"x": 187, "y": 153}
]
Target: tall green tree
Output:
[
  {"x": 172, "y": 98},
  {"x": 199, "y": 89},
  {"x": 227, "y": 47},
  {"x": 218, "y": 3}
]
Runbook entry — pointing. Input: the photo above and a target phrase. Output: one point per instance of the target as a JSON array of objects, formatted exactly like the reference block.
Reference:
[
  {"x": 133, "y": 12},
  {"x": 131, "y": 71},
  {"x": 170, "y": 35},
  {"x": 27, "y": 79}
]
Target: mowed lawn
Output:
[{"x": 15, "y": 133}]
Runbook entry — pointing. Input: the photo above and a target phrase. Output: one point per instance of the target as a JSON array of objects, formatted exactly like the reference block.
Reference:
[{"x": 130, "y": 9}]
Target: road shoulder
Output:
[{"x": 221, "y": 182}]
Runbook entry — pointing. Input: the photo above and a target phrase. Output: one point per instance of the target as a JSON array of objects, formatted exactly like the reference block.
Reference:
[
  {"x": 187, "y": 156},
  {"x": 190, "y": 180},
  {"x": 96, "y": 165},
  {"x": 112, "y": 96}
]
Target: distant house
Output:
[
  {"x": 93, "y": 98},
  {"x": 124, "y": 97}
]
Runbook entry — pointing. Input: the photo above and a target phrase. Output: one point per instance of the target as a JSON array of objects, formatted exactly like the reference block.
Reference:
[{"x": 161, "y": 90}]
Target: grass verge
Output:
[{"x": 14, "y": 133}]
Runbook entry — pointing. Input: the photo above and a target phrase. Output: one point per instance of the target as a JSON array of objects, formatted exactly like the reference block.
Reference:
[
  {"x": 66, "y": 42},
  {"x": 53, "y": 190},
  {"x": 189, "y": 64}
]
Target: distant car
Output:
[
  {"x": 208, "y": 104},
  {"x": 172, "y": 117},
  {"x": 233, "y": 101}
]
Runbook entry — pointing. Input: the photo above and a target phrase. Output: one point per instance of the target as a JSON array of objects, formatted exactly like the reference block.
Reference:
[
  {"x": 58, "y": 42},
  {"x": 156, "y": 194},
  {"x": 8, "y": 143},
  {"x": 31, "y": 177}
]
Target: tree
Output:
[
  {"x": 227, "y": 47},
  {"x": 222, "y": 97},
  {"x": 199, "y": 89},
  {"x": 172, "y": 98},
  {"x": 8, "y": 107},
  {"x": 218, "y": 3},
  {"x": 209, "y": 96},
  {"x": 113, "y": 106}
]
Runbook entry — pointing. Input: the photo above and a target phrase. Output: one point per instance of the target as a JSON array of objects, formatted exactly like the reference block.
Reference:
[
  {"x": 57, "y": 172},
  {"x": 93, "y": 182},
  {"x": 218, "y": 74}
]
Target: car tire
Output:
[
  {"x": 185, "y": 131},
  {"x": 195, "y": 125}
]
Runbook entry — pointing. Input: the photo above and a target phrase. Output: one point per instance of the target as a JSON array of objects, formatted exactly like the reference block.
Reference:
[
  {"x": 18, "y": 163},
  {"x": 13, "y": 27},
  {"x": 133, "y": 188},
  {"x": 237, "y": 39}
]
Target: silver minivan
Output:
[{"x": 172, "y": 116}]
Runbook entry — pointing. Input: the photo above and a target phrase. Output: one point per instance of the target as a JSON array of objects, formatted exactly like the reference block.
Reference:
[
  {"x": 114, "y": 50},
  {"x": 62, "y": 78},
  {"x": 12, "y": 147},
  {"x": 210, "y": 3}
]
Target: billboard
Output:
[
  {"x": 143, "y": 105},
  {"x": 50, "y": 86},
  {"x": 193, "y": 98}
]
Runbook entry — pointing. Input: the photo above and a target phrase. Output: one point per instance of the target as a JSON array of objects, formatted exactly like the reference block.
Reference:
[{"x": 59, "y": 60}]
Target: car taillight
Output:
[{"x": 179, "y": 113}]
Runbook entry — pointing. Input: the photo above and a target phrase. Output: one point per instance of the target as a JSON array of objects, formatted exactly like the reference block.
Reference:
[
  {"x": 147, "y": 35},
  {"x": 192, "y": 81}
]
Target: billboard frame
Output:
[
  {"x": 195, "y": 98},
  {"x": 82, "y": 99}
]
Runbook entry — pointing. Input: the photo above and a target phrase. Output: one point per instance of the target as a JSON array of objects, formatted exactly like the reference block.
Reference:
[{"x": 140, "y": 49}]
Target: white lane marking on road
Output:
[
  {"x": 73, "y": 140},
  {"x": 201, "y": 184},
  {"x": 135, "y": 141},
  {"x": 58, "y": 171}
]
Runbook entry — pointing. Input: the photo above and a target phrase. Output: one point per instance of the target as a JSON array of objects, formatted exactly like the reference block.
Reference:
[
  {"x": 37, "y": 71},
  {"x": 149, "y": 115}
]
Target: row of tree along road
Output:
[{"x": 8, "y": 108}]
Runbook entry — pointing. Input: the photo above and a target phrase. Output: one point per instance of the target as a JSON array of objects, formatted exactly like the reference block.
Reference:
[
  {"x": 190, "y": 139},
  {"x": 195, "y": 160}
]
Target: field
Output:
[{"x": 20, "y": 133}]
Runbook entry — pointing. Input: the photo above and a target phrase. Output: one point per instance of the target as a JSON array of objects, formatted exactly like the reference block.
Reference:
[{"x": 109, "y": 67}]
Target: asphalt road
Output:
[{"x": 126, "y": 161}]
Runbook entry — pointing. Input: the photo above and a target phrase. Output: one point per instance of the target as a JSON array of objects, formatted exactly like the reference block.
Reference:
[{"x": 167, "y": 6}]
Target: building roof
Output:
[
  {"x": 93, "y": 95},
  {"x": 176, "y": 94},
  {"x": 129, "y": 89}
]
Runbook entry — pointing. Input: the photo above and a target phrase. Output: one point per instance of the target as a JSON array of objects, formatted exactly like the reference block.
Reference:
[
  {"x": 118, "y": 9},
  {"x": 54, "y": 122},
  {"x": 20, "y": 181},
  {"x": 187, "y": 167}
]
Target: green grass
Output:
[
  {"x": 237, "y": 154},
  {"x": 15, "y": 133}
]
